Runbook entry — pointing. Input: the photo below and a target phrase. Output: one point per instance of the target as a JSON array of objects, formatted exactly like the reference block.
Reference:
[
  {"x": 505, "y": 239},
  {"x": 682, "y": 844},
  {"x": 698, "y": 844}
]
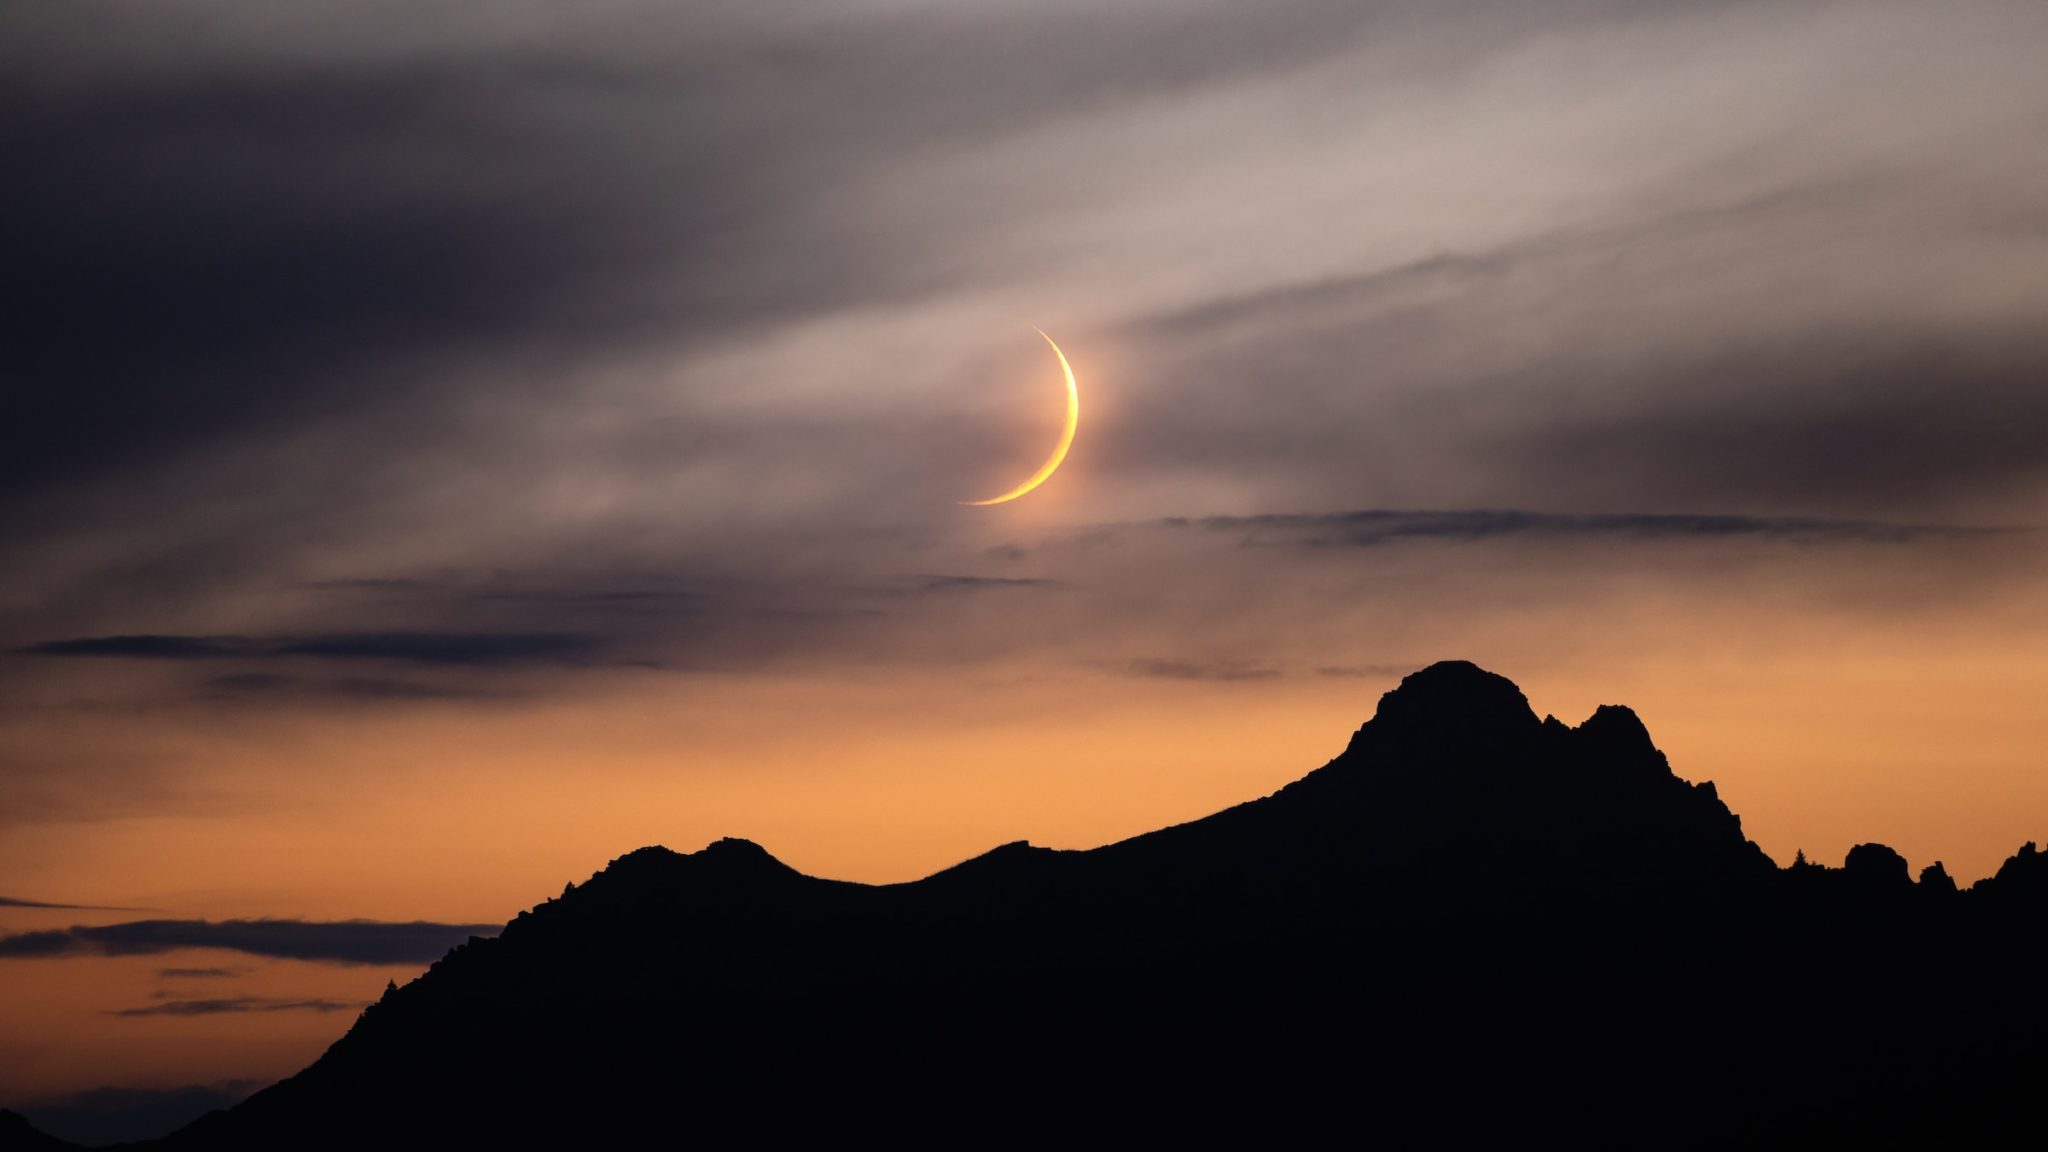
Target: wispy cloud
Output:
[
  {"x": 273, "y": 686},
  {"x": 937, "y": 583},
  {"x": 1367, "y": 528},
  {"x": 436, "y": 648},
  {"x": 334, "y": 941},
  {"x": 12, "y": 902},
  {"x": 150, "y": 647},
  {"x": 233, "y": 1005}
]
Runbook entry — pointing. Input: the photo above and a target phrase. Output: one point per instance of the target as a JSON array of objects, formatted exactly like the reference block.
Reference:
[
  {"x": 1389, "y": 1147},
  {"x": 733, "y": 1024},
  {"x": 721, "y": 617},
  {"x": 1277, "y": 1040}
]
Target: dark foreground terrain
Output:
[{"x": 1471, "y": 923}]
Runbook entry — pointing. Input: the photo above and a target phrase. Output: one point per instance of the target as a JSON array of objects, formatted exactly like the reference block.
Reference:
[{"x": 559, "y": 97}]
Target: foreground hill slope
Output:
[{"x": 1472, "y": 921}]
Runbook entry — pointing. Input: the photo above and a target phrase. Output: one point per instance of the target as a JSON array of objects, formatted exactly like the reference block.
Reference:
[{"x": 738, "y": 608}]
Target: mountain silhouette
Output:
[
  {"x": 17, "y": 1135},
  {"x": 1471, "y": 923}
]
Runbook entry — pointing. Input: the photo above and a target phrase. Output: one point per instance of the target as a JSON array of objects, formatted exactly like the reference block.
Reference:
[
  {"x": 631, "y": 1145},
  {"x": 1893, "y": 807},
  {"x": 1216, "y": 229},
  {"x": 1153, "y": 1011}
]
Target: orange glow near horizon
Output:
[{"x": 1821, "y": 733}]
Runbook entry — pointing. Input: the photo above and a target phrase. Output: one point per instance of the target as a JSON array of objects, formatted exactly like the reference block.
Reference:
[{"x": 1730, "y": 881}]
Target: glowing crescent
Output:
[{"x": 1059, "y": 450}]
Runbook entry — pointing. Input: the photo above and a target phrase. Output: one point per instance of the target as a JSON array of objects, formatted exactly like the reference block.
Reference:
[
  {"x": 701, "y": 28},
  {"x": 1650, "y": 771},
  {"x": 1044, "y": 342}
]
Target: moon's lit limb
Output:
[{"x": 1059, "y": 451}]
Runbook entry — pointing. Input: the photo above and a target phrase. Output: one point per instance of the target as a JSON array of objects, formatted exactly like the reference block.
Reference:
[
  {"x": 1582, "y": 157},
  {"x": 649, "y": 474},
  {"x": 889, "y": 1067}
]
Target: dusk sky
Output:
[{"x": 452, "y": 445}]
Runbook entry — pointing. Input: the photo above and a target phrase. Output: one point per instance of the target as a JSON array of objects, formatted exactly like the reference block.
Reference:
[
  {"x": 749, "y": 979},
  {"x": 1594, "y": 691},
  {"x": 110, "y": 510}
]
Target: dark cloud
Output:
[
  {"x": 597, "y": 599},
  {"x": 11, "y": 902},
  {"x": 1371, "y": 527},
  {"x": 1167, "y": 668},
  {"x": 1857, "y": 419},
  {"x": 234, "y": 1005},
  {"x": 940, "y": 583},
  {"x": 335, "y": 942},
  {"x": 146, "y": 647},
  {"x": 475, "y": 649},
  {"x": 118, "y": 1114},
  {"x": 274, "y": 687},
  {"x": 200, "y": 973},
  {"x": 535, "y": 624},
  {"x": 449, "y": 647}
]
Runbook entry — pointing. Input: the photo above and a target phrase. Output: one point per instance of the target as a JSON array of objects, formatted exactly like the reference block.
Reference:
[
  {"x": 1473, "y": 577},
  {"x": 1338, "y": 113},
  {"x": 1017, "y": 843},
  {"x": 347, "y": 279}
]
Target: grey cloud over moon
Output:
[{"x": 332, "y": 236}]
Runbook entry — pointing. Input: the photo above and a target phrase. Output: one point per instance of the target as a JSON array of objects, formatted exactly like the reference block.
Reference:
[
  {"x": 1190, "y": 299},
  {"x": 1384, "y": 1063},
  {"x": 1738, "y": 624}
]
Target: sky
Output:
[{"x": 452, "y": 445}]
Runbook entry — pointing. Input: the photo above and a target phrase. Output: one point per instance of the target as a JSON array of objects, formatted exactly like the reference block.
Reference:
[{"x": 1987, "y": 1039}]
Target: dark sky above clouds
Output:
[{"x": 427, "y": 420}]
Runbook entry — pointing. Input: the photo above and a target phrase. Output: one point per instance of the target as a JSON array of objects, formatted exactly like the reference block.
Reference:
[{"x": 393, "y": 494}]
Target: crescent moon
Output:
[{"x": 1059, "y": 450}]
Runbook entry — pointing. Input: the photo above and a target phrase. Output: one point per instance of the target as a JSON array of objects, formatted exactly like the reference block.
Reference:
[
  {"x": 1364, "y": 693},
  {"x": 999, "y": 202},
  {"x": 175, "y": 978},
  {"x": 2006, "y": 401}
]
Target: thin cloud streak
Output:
[
  {"x": 333, "y": 942},
  {"x": 953, "y": 583},
  {"x": 237, "y": 1005},
  {"x": 477, "y": 649},
  {"x": 1372, "y": 527},
  {"x": 12, "y": 902}
]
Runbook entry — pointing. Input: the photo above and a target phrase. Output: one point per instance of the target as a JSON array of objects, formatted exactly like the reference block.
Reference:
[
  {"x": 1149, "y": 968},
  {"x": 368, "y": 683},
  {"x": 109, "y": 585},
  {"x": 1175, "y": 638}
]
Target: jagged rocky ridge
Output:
[{"x": 1471, "y": 922}]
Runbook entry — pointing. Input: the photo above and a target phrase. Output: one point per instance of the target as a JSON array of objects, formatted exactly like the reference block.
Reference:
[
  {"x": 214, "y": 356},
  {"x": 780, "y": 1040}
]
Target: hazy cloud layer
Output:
[
  {"x": 336, "y": 942},
  {"x": 1094, "y": 593}
]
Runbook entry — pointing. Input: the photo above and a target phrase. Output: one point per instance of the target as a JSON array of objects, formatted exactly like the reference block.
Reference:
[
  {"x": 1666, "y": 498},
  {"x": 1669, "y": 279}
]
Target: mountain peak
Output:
[
  {"x": 735, "y": 859},
  {"x": 1455, "y": 702},
  {"x": 1617, "y": 727},
  {"x": 726, "y": 865},
  {"x": 738, "y": 850},
  {"x": 1467, "y": 878}
]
